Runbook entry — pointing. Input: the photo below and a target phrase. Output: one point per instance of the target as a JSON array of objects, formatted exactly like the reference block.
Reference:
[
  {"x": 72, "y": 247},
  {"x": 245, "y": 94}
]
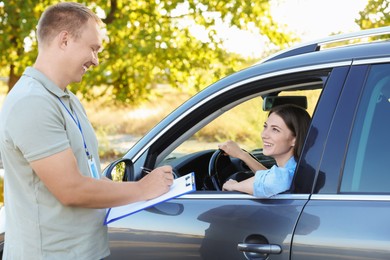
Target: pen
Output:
[{"x": 147, "y": 170}]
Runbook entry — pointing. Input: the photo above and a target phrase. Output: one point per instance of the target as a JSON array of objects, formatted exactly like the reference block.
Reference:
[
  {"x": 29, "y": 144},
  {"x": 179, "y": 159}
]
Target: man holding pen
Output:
[{"x": 55, "y": 196}]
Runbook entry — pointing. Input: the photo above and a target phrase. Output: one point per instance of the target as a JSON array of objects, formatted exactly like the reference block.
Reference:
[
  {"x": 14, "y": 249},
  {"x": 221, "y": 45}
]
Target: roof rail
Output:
[{"x": 315, "y": 45}]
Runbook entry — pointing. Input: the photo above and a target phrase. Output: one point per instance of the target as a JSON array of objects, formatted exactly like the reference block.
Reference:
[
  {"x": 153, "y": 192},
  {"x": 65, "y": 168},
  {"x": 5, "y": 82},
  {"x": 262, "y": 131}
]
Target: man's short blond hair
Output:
[{"x": 66, "y": 16}]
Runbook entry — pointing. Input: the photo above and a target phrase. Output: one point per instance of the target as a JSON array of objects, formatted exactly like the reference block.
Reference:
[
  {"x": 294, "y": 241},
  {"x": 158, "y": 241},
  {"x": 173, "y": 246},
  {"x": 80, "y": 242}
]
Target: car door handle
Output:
[{"x": 259, "y": 248}]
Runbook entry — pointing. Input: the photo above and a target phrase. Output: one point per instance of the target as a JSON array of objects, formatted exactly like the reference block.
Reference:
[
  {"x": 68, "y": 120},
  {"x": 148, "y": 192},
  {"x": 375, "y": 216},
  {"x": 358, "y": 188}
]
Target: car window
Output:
[
  {"x": 242, "y": 124},
  {"x": 367, "y": 167}
]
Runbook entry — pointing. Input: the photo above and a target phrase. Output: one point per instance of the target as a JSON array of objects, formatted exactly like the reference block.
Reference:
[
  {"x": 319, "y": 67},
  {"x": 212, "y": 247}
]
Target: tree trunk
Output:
[{"x": 13, "y": 78}]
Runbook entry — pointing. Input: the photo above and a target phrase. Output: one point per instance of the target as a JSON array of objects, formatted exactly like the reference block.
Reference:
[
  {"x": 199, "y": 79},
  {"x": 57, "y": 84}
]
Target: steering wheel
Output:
[
  {"x": 217, "y": 177},
  {"x": 215, "y": 159}
]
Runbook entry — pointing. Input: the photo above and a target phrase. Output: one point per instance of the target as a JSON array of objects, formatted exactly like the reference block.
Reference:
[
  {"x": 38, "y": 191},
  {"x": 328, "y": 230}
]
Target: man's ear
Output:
[{"x": 63, "y": 39}]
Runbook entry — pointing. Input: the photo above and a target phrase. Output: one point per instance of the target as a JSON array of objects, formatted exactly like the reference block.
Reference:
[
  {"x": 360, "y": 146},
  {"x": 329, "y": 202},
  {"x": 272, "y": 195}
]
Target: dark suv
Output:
[{"x": 339, "y": 204}]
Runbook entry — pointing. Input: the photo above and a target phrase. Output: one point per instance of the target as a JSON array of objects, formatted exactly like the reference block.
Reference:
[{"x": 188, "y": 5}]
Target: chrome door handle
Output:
[{"x": 259, "y": 248}]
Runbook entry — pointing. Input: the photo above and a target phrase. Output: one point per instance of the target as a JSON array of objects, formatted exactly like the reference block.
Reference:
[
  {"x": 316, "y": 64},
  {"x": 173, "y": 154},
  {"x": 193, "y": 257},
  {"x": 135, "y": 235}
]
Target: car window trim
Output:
[
  {"x": 370, "y": 61},
  {"x": 233, "y": 86},
  {"x": 351, "y": 197},
  {"x": 226, "y": 195}
]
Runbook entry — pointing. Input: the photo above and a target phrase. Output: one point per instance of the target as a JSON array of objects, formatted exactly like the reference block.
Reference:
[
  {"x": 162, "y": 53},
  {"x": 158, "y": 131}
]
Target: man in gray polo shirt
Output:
[{"x": 55, "y": 198}]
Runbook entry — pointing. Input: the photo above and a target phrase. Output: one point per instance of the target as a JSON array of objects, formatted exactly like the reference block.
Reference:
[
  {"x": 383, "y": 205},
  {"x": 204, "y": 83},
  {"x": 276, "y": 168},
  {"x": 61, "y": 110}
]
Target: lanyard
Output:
[{"x": 76, "y": 120}]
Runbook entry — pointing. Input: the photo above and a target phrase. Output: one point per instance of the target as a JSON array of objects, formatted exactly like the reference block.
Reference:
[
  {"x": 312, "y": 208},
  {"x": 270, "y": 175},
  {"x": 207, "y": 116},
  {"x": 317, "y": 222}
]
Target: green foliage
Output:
[
  {"x": 150, "y": 42},
  {"x": 376, "y": 14},
  {"x": 242, "y": 124},
  {"x": 17, "y": 23}
]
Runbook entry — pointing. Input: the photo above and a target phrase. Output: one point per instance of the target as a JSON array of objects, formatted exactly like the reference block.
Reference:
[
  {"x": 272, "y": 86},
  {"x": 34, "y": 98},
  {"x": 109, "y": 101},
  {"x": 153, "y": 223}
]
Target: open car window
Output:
[{"x": 242, "y": 124}]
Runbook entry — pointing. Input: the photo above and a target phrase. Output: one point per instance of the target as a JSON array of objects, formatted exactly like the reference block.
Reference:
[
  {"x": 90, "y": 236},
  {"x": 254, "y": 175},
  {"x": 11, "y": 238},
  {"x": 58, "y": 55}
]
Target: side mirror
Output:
[{"x": 120, "y": 170}]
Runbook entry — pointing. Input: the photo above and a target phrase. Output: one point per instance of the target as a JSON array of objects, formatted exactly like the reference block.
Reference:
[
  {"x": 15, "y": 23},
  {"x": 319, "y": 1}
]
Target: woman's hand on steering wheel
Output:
[{"x": 232, "y": 149}]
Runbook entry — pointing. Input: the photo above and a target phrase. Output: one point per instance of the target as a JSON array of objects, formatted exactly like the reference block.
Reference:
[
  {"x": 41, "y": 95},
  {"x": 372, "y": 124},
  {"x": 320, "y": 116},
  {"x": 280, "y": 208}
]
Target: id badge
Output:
[{"x": 92, "y": 168}]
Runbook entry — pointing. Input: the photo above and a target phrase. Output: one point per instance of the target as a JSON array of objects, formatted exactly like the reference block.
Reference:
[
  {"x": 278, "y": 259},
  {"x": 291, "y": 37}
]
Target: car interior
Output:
[{"x": 212, "y": 167}]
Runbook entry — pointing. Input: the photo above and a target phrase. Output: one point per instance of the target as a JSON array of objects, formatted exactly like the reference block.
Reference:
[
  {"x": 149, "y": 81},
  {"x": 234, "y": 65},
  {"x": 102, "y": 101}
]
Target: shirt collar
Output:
[
  {"x": 46, "y": 82},
  {"x": 291, "y": 163}
]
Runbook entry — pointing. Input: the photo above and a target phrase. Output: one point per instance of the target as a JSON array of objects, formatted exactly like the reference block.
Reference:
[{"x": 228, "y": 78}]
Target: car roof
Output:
[
  {"x": 335, "y": 40},
  {"x": 326, "y": 58}
]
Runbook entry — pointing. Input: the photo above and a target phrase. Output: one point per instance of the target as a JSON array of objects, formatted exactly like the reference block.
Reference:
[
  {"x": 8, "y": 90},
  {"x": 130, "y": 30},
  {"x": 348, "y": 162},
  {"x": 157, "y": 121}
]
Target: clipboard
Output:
[{"x": 180, "y": 186}]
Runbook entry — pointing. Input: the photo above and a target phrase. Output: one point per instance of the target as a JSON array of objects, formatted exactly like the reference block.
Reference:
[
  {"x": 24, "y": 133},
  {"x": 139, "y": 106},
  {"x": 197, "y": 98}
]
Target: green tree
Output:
[
  {"x": 17, "y": 25},
  {"x": 150, "y": 42},
  {"x": 375, "y": 14}
]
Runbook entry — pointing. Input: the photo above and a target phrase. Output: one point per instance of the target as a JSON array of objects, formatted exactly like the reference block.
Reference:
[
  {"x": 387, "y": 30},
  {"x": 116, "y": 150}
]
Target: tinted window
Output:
[{"x": 367, "y": 162}]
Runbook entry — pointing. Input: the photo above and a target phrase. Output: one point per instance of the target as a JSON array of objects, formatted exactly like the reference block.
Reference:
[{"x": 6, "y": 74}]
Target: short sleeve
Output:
[{"x": 37, "y": 127}]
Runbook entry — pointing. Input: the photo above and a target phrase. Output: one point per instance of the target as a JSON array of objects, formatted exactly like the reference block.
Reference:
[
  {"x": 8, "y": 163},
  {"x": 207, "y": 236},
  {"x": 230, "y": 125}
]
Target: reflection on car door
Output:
[{"x": 210, "y": 225}]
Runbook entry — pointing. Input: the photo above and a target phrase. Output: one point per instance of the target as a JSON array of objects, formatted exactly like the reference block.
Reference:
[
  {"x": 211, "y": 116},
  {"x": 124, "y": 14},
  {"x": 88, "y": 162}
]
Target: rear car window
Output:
[{"x": 367, "y": 163}]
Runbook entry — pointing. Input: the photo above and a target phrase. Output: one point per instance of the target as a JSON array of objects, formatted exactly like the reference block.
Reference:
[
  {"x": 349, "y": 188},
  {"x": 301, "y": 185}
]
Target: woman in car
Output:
[{"x": 283, "y": 136}]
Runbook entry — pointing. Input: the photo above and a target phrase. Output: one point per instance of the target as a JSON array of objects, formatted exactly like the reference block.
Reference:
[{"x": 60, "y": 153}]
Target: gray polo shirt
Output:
[{"x": 34, "y": 124}]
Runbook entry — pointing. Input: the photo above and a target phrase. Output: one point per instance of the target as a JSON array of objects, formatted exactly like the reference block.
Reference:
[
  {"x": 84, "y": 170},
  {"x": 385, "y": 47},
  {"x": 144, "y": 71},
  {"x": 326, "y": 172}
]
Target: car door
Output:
[
  {"x": 352, "y": 200},
  {"x": 210, "y": 225},
  {"x": 225, "y": 225}
]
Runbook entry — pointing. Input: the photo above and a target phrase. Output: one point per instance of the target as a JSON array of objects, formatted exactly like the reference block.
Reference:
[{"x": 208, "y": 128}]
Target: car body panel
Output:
[
  {"x": 349, "y": 227},
  {"x": 210, "y": 227}
]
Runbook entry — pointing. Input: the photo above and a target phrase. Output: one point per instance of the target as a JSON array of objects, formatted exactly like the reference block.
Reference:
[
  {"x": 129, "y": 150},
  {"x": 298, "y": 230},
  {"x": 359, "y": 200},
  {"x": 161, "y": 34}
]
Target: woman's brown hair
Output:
[{"x": 297, "y": 120}]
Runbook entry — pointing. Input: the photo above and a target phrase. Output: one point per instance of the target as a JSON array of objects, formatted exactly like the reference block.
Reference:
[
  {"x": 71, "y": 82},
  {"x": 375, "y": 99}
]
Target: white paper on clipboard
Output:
[{"x": 180, "y": 186}]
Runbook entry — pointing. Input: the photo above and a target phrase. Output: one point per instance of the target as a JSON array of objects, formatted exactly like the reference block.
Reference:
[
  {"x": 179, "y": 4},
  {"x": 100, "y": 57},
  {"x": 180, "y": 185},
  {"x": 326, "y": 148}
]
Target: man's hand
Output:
[{"x": 157, "y": 182}]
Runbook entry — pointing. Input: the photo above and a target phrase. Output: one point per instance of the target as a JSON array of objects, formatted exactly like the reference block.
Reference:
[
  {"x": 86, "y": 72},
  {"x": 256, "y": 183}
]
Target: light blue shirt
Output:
[{"x": 275, "y": 180}]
